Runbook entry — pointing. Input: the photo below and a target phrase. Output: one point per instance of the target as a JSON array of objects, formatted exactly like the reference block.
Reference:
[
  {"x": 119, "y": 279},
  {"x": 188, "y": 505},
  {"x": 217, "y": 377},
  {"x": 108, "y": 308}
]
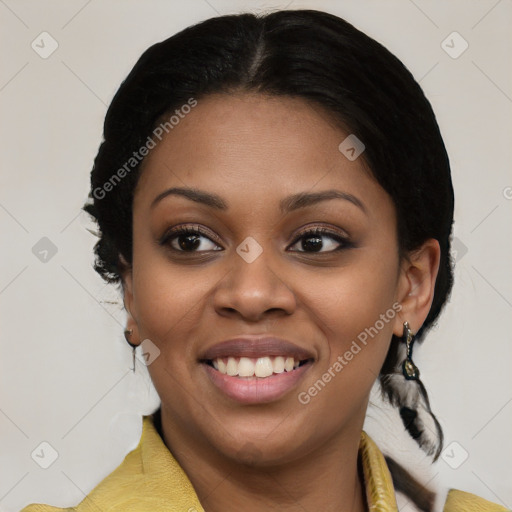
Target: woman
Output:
[{"x": 274, "y": 195}]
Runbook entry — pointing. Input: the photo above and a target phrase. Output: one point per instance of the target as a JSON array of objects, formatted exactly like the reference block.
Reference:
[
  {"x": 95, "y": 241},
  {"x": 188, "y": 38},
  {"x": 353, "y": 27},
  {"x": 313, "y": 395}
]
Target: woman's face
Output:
[{"x": 258, "y": 267}]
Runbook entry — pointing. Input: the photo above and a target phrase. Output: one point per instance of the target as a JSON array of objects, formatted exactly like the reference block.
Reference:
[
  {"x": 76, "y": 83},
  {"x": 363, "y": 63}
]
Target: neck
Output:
[{"x": 328, "y": 479}]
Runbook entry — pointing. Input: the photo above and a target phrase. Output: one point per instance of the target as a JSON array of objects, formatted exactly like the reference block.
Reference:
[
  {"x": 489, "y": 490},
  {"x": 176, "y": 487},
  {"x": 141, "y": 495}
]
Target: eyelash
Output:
[{"x": 344, "y": 242}]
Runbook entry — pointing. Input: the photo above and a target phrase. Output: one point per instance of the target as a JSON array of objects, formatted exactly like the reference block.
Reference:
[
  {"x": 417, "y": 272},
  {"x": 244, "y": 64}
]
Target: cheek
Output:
[
  {"x": 168, "y": 298},
  {"x": 353, "y": 298},
  {"x": 356, "y": 309},
  {"x": 355, "y": 312},
  {"x": 169, "y": 304}
]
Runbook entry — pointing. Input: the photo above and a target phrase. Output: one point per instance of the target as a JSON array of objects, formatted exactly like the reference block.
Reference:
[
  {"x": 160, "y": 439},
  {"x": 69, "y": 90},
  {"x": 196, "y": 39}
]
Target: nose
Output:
[{"x": 254, "y": 289}]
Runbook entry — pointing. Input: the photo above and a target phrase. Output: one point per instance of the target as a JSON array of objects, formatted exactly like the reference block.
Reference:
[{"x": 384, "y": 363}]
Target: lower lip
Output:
[{"x": 256, "y": 390}]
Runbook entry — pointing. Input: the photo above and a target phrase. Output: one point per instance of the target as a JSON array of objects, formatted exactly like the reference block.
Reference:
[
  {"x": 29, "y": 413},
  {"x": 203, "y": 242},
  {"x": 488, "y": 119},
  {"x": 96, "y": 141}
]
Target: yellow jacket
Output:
[{"x": 151, "y": 480}]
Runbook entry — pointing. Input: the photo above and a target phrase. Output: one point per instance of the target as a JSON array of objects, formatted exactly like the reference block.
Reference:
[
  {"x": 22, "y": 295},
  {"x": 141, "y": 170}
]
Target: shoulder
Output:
[
  {"x": 116, "y": 488},
  {"x": 117, "y": 491},
  {"x": 460, "y": 501},
  {"x": 149, "y": 478}
]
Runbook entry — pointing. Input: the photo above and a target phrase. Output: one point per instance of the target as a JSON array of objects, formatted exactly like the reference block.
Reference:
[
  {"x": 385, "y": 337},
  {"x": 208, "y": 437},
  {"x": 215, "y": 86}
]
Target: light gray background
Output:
[{"x": 64, "y": 371}]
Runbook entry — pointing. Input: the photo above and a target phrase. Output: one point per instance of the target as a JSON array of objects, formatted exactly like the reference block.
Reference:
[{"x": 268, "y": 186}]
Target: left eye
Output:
[{"x": 312, "y": 239}]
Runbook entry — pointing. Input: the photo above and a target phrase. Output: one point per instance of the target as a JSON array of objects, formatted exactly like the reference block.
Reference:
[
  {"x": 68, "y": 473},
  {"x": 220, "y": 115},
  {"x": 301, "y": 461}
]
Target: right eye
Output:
[{"x": 188, "y": 239}]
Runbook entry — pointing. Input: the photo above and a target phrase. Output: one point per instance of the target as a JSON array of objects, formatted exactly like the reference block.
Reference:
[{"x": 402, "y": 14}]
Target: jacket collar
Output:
[
  {"x": 380, "y": 493},
  {"x": 162, "y": 472}
]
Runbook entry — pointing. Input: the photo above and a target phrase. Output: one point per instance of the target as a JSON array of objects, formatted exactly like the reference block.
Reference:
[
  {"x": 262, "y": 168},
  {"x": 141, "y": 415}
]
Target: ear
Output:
[
  {"x": 127, "y": 285},
  {"x": 416, "y": 284}
]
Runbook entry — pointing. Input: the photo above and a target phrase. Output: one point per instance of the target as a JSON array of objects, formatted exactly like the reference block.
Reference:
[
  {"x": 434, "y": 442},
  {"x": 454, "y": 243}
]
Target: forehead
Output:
[{"x": 259, "y": 146}]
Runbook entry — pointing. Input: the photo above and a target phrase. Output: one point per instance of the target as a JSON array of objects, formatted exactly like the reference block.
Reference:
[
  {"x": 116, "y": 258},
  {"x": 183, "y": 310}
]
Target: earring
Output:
[
  {"x": 402, "y": 387},
  {"x": 409, "y": 369},
  {"x": 127, "y": 336}
]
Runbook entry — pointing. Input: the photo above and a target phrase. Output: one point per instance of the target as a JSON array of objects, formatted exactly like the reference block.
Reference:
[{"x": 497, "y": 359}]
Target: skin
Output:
[{"x": 253, "y": 151}]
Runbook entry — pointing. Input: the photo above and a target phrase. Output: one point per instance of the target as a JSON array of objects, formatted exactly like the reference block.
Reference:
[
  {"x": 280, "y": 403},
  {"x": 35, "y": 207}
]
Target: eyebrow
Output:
[{"x": 286, "y": 205}]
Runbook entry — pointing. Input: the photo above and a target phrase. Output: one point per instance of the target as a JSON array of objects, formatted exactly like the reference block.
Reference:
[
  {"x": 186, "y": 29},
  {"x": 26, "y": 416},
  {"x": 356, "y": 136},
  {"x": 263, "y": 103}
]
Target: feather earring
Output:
[{"x": 403, "y": 389}]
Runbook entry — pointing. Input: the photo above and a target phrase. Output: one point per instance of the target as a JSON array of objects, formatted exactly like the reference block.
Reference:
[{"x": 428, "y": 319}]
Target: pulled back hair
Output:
[{"x": 305, "y": 54}]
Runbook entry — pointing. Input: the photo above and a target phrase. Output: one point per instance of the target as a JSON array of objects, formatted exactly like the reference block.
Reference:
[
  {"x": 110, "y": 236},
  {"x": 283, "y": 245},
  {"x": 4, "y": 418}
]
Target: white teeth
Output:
[
  {"x": 263, "y": 367},
  {"x": 221, "y": 366},
  {"x": 232, "y": 367},
  {"x": 245, "y": 367},
  {"x": 279, "y": 364},
  {"x": 252, "y": 367}
]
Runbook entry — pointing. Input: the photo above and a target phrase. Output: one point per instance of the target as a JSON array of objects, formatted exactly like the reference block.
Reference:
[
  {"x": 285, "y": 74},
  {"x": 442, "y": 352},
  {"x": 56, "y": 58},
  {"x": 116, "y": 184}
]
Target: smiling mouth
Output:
[{"x": 255, "y": 368}]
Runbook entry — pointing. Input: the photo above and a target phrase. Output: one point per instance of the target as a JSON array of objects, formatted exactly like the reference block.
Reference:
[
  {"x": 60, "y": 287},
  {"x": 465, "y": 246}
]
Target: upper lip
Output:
[{"x": 256, "y": 346}]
